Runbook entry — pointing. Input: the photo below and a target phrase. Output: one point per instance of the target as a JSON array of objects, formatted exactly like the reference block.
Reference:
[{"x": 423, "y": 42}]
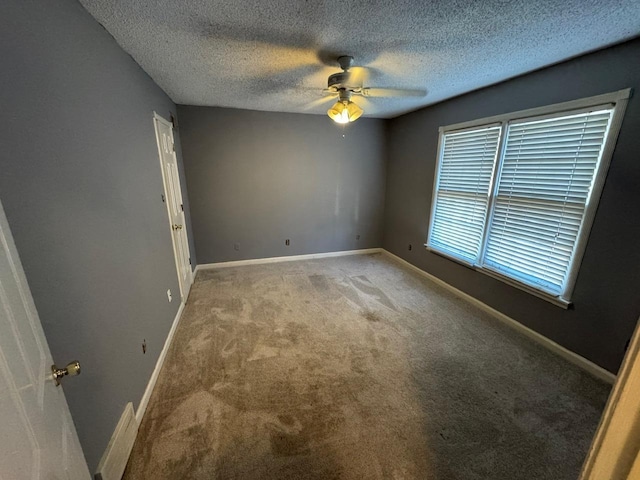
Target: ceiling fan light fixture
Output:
[{"x": 345, "y": 111}]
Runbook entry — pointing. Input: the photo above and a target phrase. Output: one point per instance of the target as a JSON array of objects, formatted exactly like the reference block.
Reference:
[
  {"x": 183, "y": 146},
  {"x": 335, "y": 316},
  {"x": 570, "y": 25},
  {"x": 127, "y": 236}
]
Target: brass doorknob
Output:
[
  {"x": 72, "y": 369},
  {"x": 177, "y": 227}
]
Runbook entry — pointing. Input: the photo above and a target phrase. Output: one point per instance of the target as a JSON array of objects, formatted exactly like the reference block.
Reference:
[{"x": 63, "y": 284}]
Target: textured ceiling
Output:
[{"x": 276, "y": 55}]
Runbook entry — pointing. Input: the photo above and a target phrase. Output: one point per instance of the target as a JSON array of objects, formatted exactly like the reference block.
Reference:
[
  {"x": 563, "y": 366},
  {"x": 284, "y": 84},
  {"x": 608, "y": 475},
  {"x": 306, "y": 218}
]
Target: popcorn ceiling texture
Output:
[{"x": 277, "y": 55}]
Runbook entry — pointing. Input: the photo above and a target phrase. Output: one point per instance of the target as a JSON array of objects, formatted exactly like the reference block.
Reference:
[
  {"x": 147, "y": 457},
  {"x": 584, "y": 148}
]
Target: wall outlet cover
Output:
[{"x": 169, "y": 295}]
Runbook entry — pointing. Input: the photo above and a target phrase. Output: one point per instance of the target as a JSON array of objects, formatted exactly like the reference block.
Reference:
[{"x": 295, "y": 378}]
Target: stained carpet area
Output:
[{"x": 357, "y": 368}]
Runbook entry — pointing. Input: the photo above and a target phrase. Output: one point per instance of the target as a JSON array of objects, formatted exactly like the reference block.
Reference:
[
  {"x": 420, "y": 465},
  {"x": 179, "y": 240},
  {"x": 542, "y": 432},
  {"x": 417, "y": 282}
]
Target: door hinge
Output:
[{"x": 189, "y": 260}]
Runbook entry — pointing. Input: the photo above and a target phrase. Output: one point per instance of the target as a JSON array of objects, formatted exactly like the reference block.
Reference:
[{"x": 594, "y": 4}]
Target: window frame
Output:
[{"x": 617, "y": 101}]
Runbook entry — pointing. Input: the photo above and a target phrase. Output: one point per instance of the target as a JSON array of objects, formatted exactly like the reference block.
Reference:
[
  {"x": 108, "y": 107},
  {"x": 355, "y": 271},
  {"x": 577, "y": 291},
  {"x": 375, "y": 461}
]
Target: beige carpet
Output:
[{"x": 357, "y": 368}]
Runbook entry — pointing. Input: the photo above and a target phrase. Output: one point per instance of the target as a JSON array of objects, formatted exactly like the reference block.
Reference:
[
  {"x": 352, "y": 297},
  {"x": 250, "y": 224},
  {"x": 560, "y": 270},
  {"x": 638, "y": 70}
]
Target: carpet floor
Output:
[{"x": 357, "y": 368}]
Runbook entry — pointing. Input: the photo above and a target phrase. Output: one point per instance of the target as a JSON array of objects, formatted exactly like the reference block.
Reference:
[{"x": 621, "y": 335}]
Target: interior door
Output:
[
  {"x": 175, "y": 206},
  {"x": 615, "y": 450},
  {"x": 38, "y": 439}
]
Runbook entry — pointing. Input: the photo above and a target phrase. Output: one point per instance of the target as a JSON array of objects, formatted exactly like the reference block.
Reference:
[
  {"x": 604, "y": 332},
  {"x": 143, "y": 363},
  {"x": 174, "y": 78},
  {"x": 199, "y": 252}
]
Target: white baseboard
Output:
[
  {"x": 292, "y": 258},
  {"x": 156, "y": 371},
  {"x": 116, "y": 456},
  {"x": 572, "y": 357}
]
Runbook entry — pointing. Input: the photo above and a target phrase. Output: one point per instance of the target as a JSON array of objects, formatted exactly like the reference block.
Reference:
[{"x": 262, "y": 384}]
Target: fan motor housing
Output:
[{"x": 339, "y": 80}]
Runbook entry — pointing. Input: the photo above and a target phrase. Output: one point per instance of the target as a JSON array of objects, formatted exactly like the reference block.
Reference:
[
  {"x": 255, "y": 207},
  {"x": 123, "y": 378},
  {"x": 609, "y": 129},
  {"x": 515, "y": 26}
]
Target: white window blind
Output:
[
  {"x": 515, "y": 195},
  {"x": 546, "y": 176},
  {"x": 462, "y": 191}
]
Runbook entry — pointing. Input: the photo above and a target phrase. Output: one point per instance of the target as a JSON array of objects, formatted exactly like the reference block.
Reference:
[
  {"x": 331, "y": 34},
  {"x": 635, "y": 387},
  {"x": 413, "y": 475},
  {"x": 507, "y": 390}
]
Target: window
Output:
[{"x": 515, "y": 195}]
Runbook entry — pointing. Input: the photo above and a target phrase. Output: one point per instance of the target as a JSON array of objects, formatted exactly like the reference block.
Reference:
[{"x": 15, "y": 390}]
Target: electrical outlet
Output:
[
  {"x": 287, "y": 242},
  {"x": 357, "y": 237},
  {"x": 236, "y": 246},
  {"x": 144, "y": 346},
  {"x": 169, "y": 295},
  {"x": 410, "y": 247}
]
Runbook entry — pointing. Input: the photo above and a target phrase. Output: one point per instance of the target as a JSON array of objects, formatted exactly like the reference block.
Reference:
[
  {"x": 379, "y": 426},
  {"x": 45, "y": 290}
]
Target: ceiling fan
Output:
[{"x": 347, "y": 83}]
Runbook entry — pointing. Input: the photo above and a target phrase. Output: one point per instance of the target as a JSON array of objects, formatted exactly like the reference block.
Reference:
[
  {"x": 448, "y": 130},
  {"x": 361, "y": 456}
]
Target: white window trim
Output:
[{"x": 619, "y": 100}]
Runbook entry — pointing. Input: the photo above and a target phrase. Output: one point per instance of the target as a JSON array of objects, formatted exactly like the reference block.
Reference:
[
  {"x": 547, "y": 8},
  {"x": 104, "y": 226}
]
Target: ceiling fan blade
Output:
[
  {"x": 393, "y": 92},
  {"x": 319, "y": 102},
  {"x": 366, "y": 104}
]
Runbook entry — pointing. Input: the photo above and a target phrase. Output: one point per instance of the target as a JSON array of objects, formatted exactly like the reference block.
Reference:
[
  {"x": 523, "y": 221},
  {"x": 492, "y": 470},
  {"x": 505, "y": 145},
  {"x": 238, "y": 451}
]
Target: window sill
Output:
[{"x": 557, "y": 301}]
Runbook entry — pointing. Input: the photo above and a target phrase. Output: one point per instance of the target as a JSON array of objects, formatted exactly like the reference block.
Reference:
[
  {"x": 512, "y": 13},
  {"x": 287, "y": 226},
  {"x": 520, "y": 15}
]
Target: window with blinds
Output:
[{"x": 511, "y": 197}]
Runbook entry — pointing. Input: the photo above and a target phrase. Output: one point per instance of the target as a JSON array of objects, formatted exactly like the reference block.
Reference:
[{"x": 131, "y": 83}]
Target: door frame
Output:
[
  {"x": 184, "y": 289},
  {"x": 615, "y": 451}
]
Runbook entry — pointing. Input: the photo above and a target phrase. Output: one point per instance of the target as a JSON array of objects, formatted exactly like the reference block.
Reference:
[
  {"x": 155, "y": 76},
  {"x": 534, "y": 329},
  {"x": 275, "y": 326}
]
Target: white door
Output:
[
  {"x": 615, "y": 450},
  {"x": 37, "y": 437},
  {"x": 175, "y": 206}
]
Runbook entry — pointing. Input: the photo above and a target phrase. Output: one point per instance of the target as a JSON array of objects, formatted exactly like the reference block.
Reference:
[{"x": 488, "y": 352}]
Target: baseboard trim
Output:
[
  {"x": 292, "y": 258},
  {"x": 572, "y": 357},
  {"x": 116, "y": 456},
  {"x": 156, "y": 371}
]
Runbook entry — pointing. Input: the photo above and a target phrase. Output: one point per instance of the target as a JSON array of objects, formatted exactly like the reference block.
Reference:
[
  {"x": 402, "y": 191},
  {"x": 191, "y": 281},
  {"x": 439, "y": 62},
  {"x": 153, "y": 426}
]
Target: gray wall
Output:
[
  {"x": 81, "y": 185},
  {"x": 607, "y": 303},
  {"x": 258, "y": 178}
]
